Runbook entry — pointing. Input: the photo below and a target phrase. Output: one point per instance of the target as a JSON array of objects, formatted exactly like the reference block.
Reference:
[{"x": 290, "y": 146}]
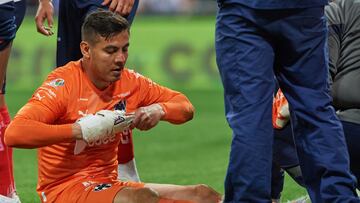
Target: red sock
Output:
[
  {"x": 6, "y": 168},
  {"x": 4, "y": 112},
  {"x": 126, "y": 148},
  {"x": 164, "y": 200}
]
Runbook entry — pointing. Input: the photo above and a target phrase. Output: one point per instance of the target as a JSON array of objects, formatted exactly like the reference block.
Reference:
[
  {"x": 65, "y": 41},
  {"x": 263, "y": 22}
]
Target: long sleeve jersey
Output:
[
  {"x": 344, "y": 56},
  {"x": 45, "y": 122}
]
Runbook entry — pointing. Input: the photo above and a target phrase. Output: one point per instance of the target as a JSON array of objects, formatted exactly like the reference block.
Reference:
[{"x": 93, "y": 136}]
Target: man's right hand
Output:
[
  {"x": 103, "y": 124},
  {"x": 44, "y": 12},
  {"x": 122, "y": 7},
  {"x": 95, "y": 127}
]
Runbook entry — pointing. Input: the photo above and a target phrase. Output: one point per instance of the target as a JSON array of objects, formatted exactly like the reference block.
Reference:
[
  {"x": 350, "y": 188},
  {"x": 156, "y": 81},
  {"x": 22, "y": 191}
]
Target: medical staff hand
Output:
[
  {"x": 44, "y": 12},
  {"x": 122, "y": 7}
]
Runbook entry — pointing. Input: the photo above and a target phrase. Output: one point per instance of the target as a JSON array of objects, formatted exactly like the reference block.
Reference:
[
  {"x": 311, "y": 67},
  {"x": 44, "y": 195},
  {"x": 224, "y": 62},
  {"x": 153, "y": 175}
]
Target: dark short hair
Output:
[{"x": 102, "y": 23}]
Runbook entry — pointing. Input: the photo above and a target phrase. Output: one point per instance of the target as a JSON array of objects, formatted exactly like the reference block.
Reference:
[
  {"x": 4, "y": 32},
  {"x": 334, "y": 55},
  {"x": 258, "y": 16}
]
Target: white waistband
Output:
[{"x": 6, "y": 1}]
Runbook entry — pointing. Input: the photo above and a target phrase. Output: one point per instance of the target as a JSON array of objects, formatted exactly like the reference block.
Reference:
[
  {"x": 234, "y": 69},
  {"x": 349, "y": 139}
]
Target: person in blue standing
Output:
[
  {"x": 71, "y": 16},
  {"x": 344, "y": 73},
  {"x": 252, "y": 38}
]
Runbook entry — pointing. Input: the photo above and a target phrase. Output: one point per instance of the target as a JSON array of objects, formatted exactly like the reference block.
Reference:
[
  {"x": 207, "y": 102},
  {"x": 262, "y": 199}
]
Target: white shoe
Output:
[
  {"x": 4, "y": 199},
  {"x": 303, "y": 199},
  {"x": 15, "y": 197}
]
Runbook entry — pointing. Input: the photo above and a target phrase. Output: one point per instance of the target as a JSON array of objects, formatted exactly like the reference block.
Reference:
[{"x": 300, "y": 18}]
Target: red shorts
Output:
[{"x": 94, "y": 191}]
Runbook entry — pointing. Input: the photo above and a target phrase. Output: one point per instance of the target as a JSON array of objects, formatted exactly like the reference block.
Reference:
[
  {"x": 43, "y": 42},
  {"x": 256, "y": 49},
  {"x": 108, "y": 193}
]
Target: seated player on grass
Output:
[{"x": 77, "y": 117}]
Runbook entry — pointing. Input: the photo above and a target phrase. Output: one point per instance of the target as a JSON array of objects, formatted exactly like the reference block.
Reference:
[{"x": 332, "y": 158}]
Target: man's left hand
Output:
[{"x": 147, "y": 117}]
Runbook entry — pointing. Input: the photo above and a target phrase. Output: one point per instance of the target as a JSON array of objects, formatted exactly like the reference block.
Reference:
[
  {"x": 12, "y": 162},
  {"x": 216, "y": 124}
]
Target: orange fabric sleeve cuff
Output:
[{"x": 178, "y": 110}]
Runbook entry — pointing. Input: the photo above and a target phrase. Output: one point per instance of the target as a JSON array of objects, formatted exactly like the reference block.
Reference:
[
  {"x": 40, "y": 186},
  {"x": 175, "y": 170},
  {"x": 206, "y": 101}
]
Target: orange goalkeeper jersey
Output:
[{"x": 67, "y": 95}]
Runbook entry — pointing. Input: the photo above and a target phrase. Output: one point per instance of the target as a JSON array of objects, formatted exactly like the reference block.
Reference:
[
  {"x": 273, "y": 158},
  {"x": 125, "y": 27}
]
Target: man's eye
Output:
[{"x": 110, "y": 50}]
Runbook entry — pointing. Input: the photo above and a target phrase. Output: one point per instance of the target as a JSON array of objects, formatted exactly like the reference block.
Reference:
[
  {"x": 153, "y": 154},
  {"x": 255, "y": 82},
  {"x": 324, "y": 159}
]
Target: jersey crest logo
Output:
[
  {"x": 121, "y": 105},
  {"x": 56, "y": 82},
  {"x": 102, "y": 186}
]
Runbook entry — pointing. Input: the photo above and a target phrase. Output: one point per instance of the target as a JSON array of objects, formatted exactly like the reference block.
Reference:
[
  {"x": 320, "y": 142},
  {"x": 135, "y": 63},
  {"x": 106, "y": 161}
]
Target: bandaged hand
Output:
[
  {"x": 100, "y": 125},
  {"x": 104, "y": 123},
  {"x": 147, "y": 117}
]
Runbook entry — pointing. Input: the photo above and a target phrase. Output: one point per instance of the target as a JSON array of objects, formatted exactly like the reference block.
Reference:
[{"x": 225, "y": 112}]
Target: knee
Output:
[
  {"x": 206, "y": 193},
  {"x": 136, "y": 195},
  {"x": 146, "y": 195}
]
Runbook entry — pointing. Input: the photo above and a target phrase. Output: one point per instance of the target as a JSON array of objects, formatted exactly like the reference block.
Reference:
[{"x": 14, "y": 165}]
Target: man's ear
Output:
[{"x": 85, "y": 49}]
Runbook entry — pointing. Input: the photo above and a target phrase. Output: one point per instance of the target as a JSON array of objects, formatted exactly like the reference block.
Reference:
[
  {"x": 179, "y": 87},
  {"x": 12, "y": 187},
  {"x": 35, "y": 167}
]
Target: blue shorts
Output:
[
  {"x": 11, "y": 17},
  {"x": 71, "y": 16},
  {"x": 7, "y": 24}
]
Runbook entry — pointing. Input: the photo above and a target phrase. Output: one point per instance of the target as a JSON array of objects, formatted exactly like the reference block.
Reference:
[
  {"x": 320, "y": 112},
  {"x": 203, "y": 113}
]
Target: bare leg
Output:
[
  {"x": 167, "y": 193},
  {"x": 136, "y": 195},
  {"x": 196, "y": 193}
]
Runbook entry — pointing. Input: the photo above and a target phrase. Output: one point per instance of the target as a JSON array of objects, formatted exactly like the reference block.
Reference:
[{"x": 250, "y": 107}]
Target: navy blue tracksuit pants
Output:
[{"x": 253, "y": 45}]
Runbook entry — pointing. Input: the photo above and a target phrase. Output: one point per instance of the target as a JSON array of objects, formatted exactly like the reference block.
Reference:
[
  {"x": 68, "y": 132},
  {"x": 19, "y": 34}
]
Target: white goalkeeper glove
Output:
[
  {"x": 101, "y": 125},
  {"x": 122, "y": 121}
]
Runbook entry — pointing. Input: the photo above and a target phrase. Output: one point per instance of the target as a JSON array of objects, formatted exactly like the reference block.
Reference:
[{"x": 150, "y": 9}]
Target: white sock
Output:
[{"x": 128, "y": 172}]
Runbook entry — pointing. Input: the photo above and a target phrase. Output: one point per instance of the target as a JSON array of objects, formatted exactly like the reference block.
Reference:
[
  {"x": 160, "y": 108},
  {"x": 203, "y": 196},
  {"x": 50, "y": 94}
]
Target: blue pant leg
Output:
[
  {"x": 284, "y": 148},
  {"x": 318, "y": 133},
  {"x": 245, "y": 61},
  {"x": 352, "y": 136},
  {"x": 70, "y": 19},
  {"x": 131, "y": 16},
  {"x": 277, "y": 181}
]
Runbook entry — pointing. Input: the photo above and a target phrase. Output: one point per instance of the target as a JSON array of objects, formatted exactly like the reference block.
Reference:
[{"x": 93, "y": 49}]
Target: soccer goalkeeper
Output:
[
  {"x": 84, "y": 101},
  {"x": 71, "y": 15}
]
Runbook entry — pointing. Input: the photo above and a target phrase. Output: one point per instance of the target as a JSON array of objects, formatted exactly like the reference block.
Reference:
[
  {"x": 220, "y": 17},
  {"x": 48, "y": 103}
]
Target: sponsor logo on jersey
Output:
[
  {"x": 102, "y": 186},
  {"x": 104, "y": 140},
  {"x": 56, "y": 82},
  {"x": 121, "y": 95},
  {"x": 87, "y": 184},
  {"x": 38, "y": 96}
]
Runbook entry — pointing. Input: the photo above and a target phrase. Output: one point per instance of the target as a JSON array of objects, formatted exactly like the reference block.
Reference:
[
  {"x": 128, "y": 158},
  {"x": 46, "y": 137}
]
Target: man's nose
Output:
[{"x": 120, "y": 57}]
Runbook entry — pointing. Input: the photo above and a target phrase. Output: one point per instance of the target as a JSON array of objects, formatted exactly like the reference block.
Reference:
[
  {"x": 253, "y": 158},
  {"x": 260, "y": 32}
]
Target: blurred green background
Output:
[{"x": 177, "y": 52}]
